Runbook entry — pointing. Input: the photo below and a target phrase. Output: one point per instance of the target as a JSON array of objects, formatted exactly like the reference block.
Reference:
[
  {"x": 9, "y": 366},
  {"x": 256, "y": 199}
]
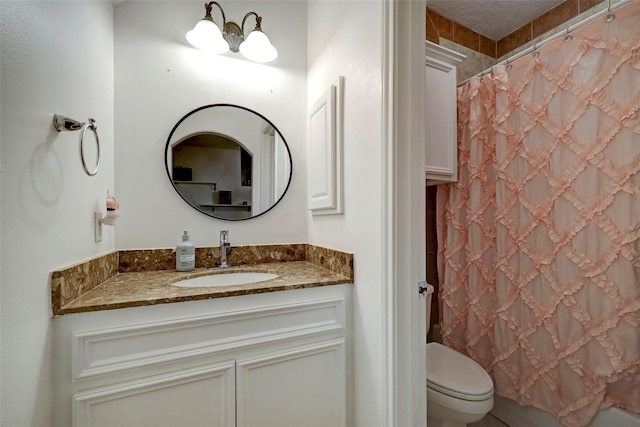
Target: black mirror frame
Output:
[{"x": 168, "y": 146}]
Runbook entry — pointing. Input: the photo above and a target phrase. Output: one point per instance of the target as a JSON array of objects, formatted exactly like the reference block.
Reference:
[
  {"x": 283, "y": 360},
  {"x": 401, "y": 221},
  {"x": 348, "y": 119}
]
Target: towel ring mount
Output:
[{"x": 62, "y": 123}]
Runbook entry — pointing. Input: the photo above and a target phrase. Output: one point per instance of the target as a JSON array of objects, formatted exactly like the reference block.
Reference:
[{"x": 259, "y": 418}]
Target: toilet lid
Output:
[{"x": 456, "y": 375}]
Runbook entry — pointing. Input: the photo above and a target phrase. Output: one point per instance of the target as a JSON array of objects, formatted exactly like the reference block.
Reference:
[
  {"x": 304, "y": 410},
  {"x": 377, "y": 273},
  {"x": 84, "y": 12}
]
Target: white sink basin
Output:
[{"x": 224, "y": 279}]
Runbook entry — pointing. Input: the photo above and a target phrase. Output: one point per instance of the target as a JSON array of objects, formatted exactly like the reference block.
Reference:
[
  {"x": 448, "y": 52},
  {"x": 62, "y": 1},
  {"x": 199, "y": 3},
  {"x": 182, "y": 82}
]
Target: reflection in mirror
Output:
[{"x": 228, "y": 162}]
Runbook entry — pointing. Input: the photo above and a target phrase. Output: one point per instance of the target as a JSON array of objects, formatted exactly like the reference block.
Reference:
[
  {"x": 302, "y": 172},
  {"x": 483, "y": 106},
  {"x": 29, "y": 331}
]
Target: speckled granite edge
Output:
[
  {"x": 246, "y": 255},
  {"x": 132, "y": 261},
  {"x": 70, "y": 283},
  {"x": 331, "y": 259}
]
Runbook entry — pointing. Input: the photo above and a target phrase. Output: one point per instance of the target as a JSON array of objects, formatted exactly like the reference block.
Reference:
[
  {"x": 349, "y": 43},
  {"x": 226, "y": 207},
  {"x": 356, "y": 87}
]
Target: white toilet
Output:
[{"x": 459, "y": 391}]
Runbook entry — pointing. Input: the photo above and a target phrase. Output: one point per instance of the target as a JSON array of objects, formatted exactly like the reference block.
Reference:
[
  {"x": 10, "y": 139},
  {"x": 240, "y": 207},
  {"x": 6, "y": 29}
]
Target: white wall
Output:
[
  {"x": 345, "y": 38},
  {"x": 159, "y": 78},
  {"x": 57, "y": 57},
  {"x": 379, "y": 48}
]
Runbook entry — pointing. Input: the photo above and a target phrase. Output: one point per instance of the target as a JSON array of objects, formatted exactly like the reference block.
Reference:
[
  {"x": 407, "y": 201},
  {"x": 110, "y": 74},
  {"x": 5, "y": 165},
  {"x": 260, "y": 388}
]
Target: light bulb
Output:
[
  {"x": 258, "y": 48},
  {"x": 207, "y": 36}
]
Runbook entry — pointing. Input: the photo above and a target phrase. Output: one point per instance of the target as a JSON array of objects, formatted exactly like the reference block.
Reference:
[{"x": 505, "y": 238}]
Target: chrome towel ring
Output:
[{"x": 62, "y": 123}]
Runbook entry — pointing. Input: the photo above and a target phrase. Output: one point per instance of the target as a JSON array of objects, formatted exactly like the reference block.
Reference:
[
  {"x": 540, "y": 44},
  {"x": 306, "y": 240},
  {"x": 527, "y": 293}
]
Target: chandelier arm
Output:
[
  {"x": 258, "y": 21},
  {"x": 209, "y": 6}
]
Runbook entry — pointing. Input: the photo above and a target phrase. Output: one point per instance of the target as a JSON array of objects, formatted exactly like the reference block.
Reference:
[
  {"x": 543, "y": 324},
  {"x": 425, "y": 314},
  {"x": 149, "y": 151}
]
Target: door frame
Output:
[{"x": 404, "y": 212}]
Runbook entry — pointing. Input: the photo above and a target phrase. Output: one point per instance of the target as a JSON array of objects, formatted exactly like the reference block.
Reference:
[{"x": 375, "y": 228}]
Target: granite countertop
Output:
[{"x": 150, "y": 287}]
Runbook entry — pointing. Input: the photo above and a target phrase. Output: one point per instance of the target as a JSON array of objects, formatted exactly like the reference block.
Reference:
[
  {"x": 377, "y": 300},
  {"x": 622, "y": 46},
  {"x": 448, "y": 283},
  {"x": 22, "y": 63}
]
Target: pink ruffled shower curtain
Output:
[{"x": 539, "y": 240}]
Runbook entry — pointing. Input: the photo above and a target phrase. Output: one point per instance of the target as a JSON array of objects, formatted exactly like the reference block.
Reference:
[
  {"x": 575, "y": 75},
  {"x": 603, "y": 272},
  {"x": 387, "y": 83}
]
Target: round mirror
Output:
[{"x": 228, "y": 162}]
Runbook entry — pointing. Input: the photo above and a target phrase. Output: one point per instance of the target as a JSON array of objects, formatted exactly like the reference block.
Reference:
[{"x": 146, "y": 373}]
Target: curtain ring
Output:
[
  {"x": 91, "y": 124},
  {"x": 610, "y": 17},
  {"x": 568, "y": 37}
]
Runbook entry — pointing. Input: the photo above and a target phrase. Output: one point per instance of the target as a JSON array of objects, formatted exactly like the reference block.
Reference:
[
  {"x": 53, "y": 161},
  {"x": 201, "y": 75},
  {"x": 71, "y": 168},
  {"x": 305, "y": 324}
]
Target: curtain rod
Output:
[{"x": 557, "y": 35}]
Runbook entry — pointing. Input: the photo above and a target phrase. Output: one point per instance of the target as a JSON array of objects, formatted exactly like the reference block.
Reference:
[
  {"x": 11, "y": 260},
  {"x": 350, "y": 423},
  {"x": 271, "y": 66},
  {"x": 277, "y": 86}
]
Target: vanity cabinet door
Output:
[
  {"x": 300, "y": 386},
  {"x": 441, "y": 155},
  {"x": 190, "y": 398},
  {"x": 303, "y": 386},
  {"x": 272, "y": 360}
]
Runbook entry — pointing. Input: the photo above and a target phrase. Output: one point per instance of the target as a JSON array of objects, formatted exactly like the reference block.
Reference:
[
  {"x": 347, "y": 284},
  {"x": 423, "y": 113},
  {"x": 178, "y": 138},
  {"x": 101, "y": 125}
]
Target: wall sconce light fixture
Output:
[{"x": 207, "y": 36}]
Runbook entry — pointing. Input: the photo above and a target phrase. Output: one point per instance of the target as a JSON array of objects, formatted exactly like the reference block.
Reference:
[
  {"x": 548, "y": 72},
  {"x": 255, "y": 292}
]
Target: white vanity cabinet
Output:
[
  {"x": 276, "y": 359},
  {"x": 441, "y": 150}
]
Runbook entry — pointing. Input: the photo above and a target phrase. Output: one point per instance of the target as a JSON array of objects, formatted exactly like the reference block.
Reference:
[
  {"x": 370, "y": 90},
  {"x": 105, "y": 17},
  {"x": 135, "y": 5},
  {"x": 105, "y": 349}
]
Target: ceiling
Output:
[{"x": 492, "y": 18}]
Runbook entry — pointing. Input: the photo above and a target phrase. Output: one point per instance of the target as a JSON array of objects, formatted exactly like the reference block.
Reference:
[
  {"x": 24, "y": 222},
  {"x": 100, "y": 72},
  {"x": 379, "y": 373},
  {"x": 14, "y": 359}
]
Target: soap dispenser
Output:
[{"x": 185, "y": 254}]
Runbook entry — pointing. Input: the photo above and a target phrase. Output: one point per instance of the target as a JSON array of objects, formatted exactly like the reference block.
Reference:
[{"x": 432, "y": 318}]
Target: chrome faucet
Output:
[{"x": 224, "y": 245}]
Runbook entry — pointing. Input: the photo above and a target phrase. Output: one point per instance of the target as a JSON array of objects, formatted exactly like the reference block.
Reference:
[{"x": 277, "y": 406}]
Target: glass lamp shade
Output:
[
  {"x": 207, "y": 36},
  {"x": 258, "y": 48}
]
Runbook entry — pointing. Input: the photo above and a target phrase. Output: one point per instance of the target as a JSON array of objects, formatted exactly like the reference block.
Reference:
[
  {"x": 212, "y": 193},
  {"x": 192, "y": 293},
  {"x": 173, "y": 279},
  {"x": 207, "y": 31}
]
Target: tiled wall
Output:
[
  {"x": 543, "y": 26},
  {"x": 474, "y": 62},
  {"x": 479, "y": 50},
  {"x": 440, "y": 27},
  {"x": 556, "y": 20},
  {"x": 482, "y": 52}
]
